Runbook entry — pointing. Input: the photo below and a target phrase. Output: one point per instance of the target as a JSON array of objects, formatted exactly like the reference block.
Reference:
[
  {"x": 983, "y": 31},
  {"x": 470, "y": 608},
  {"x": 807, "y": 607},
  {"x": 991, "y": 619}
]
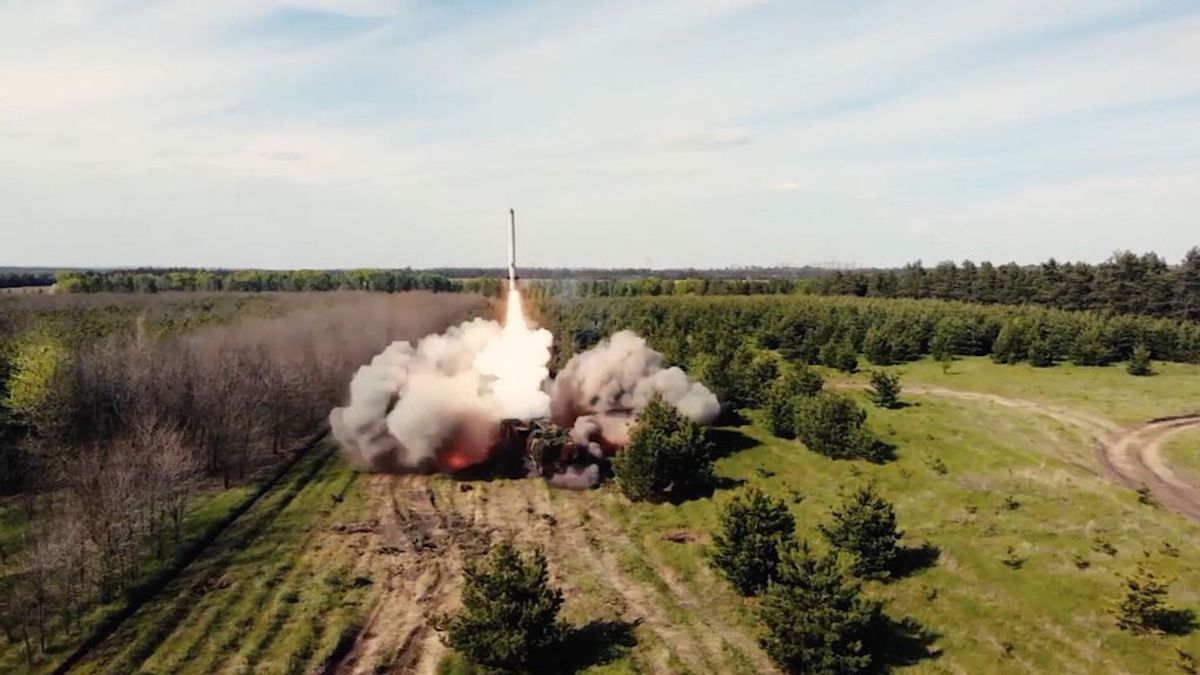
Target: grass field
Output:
[
  {"x": 1183, "y": 454},
  {"x": 291, "y": 585},
  {"x": 1106, "y": 391}
]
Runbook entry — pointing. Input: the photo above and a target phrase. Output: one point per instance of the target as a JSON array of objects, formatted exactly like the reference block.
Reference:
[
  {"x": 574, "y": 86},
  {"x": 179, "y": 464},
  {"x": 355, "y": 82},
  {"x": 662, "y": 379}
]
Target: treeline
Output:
[
  {"x": 656, "y": 286},
  {"x": 25, "y": 279},
  {"x": 1125, "y": 283},
  {"x": 390, "y": 281},
  {"x": 718, "y": 339},
  {"x": 108, "y": 438},
  {"x": 633, "y": 273},
  {"x": 159, "y": 280}
]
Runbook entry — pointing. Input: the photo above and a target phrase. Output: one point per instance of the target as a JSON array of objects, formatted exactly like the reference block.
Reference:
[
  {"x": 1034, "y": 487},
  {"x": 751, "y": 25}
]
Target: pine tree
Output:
[
  {"x": 667, "y": 454},
  {"x": 509, "y": 617},
  {"x": 779, "y": 407},
  {"x": 877, "y": 348},
  {"x": 865, "y": 526},
  {"x": 817, "y": 621},
  {"x": 1009, "y": 344},
  {"x": 833, "y": 425},
  {"x": 1041, "y": 353},
  {"x": 840, "y": 354},
  {"x": 1143, "y": 608},
  {"x": 1139, "y": 362},
  {"x": 1091, "y": 348},
  {"x": 885, "y": 389},
  {"x": 755, "y": 531}
]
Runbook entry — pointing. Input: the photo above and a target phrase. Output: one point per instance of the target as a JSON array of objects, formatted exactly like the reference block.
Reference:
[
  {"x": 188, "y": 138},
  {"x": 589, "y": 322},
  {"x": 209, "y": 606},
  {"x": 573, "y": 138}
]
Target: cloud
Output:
[
  {"x": 700, "y": 139},
  {"x": 236, "y": 133},
  {"x": 790, "y": 186}
]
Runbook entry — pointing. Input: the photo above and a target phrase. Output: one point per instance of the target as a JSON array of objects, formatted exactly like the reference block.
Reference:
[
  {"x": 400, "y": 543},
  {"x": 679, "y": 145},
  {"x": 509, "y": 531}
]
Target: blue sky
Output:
[{"x": 663, "y": 133}]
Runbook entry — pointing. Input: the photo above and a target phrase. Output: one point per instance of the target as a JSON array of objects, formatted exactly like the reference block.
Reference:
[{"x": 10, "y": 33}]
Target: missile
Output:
[{"x": 512, "y": 248}]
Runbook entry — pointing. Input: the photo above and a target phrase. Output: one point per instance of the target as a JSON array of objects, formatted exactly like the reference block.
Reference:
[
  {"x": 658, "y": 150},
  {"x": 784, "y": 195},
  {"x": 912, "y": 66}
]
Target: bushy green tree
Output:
[
  {"x": 1143, "y": 607},
  {"x": 877, "y": 347},
  {"x": 755, "y": 531},
  {"x": 37, "y": 394},
  {"x": 1009, "y": 346},
  {"x": 840, "y": 354},
  {"x": 1041, "y": 353},
  {"x": 817, "y": 620},
  {"x": 833, "y": 425},
  {"x": 779, "y": 408},
  {"x": 1139, "y": 362},
  {"x": 865, "y": 526},
  {"x": 509, "y": 618},
  {"x": 885, "y": 389},
  {"x": 667, "y": 454},
  {"x": 1091, "y": 347}
]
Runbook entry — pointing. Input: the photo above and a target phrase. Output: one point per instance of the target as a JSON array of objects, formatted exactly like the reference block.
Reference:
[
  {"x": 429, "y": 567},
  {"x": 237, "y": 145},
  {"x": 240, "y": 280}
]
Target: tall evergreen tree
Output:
[
  {"x": 817, "y": 621},
  {"x": 667, "y": 454},
  {"x": 509, "y": 617},
  {"x": 756, "y": 531},
  {"x": 865, "y": 526}
]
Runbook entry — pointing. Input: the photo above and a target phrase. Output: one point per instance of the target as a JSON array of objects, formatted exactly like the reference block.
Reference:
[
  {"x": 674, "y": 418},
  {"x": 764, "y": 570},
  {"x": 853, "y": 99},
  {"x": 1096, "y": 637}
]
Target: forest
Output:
[{"x": 1126, "y": 283}]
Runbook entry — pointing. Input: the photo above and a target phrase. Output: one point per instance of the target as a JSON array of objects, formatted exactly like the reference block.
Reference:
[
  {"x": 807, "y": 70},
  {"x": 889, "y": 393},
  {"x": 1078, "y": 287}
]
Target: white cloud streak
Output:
[{"x": 218, "y": 133}]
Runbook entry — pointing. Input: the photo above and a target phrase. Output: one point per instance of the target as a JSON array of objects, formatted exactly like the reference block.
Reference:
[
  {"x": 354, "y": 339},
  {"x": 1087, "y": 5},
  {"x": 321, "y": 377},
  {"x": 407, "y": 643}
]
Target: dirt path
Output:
[
  {"x": 417, "y": 548},
  {"x": 1131, "y": 456},
  {"x": 1136, "y": 458}
]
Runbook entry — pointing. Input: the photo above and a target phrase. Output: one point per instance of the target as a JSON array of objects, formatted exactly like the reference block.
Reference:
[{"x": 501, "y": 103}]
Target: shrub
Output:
[
  {"x": 1091, "y": 347},
  {"x": 1009, "y": 345},
  {"x": 1143, "y": 608},
  {"x": 755, "y": 530},
  {"x": 832, "y": 425},
  {"x": 840, "y": 354},
  {"x": 865, "y": 527},
  {"x": 817, "y": 620},
  {"x": 509, "y": 617},
  {"x": 1041, "y": 353},
  {"x": 885, "y": 389},
  {"x": 1139, "y": 362},
  {"x": 779, "y": 404},
  {"x": 1011, "y": 560},
  {"x": 667, "y": 453},
  {"x": 877, "y": 348}
]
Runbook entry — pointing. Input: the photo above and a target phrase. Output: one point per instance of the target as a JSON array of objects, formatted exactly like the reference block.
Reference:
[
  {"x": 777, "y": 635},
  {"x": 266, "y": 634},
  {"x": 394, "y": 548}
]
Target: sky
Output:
[{"x": 662, "y": 133}]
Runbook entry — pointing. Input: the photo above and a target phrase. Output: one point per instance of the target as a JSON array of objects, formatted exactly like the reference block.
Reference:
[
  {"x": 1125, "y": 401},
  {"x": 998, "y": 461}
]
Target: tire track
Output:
[
  {"x": 1130, "y": 456},
  {"x": 417, "y": 547}
]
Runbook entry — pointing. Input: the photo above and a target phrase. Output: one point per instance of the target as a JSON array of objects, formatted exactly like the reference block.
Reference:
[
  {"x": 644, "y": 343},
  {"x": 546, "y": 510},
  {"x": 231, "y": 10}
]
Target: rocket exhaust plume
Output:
[{"x": 439, "y": 405}]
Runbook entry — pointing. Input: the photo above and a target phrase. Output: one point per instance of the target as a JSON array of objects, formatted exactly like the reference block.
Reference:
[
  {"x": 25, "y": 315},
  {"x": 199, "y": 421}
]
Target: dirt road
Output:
[{"x": 1132, "y": 456}]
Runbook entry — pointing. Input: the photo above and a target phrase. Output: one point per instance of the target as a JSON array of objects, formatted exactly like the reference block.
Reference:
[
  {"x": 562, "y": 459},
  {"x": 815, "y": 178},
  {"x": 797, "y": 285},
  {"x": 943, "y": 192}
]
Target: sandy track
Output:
[
  {"x": 418, "y": 550},
  {"x": 1131, "y": 456},
  {"x": 1136, "y": 458}
]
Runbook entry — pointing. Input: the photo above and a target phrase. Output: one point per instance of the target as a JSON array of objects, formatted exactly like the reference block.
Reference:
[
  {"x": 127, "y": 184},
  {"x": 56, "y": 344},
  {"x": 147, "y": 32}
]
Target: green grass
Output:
[
  {"x": 1106, "y": 391},
  {"x": 251, "y": 602},
  {"x": 1182, "y": 453},
  {"x": 1048, "y": 616}
]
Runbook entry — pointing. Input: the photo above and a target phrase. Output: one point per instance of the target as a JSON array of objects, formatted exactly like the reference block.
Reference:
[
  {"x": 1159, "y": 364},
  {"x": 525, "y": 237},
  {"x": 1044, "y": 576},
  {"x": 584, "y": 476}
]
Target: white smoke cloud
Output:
[
  {"x": 600, "y": 392},
  {"x": 439, "y": 405}
]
